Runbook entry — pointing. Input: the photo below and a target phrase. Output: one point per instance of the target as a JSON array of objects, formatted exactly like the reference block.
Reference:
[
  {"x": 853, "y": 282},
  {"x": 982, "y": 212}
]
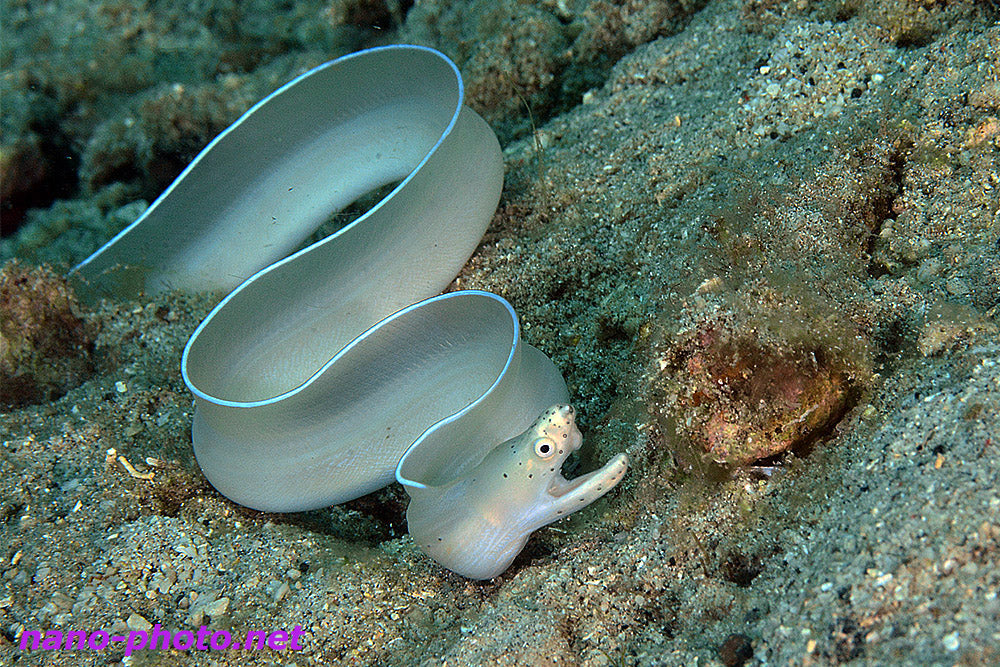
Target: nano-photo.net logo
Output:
[{"x": 160, "y": 639}]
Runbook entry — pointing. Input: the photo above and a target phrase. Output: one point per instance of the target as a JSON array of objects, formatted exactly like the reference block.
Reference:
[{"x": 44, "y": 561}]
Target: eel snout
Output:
[{"x": 587, "y": 488}]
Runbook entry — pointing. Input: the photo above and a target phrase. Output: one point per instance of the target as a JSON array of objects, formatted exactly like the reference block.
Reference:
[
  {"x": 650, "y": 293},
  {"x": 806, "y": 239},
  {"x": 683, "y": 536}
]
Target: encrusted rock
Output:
[
  {"x": 45, "y": 343},
  {"x": 737, "y": 397}
]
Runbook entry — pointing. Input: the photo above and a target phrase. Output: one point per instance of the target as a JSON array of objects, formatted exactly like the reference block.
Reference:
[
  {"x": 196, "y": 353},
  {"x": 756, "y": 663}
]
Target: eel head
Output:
[
  {"x": 475, "y": 525},
  {"x": 534, "y": 467}
]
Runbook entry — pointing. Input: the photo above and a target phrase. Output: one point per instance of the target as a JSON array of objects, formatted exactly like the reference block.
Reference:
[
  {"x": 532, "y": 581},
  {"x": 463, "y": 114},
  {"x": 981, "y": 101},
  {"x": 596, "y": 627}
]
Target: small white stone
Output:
[
  {"x": 217, "y": 608},
  {"x": 950, "y": 641},
  {"x": 137, "y": 622},
  {"x": 186, "y": 550}
]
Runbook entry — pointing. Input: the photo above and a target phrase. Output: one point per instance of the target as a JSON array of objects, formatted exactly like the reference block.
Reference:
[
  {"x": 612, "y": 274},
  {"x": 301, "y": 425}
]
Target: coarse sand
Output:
[{"x": 760, "y": 238}]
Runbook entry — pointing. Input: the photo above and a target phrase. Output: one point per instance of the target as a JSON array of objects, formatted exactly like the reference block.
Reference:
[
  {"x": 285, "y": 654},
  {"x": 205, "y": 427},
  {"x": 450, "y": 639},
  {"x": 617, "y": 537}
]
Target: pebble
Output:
[
  {"x": 165, "y": 580},
  {"x": 957, "y": 287},
  {"x": 929, "y": 269},
  {"x": 217, "y": 608},
  {"x": 62, "y": 601},
  {"x": 137, "y": 622},
  {"x": 186, "y": 550}
]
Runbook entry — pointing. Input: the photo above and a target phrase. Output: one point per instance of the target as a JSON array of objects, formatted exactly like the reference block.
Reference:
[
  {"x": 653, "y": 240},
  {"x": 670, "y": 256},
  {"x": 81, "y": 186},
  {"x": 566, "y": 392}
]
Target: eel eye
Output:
[{"x": 545, "y": 448}]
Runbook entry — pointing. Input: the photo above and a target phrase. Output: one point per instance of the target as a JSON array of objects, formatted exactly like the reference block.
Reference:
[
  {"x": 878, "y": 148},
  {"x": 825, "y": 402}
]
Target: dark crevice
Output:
[
  {"x": 741, "y": 569},
  {"x": 534, "y": 552},
  {"x": 848, "y": 640},
  {"x": 369, "y": 520},
  {"x": 736, "y": 650},
  {"x": 58, "y": 164},
  {"x": 882, "y": 205},
  {"x": 896, "y": 340}
]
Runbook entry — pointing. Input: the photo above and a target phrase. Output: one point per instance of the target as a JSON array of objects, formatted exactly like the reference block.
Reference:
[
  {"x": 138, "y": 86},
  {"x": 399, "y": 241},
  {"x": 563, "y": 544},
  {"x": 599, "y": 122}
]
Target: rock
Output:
[
  {"x": 736, "y": 650},
  {"x": 957, "y": 287},
  {"x": 740, "y": 399},
  {"x": 283, "y": 590},
  {"x": 137, "y": 622},
  {"x": 217, "y": 607},
  {"x": 45, "y": 343}
]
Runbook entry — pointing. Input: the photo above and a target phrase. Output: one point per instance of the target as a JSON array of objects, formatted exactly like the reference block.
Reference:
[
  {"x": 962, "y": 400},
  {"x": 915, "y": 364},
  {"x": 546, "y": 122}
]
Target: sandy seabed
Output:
[{"x": 757, "y": 232}]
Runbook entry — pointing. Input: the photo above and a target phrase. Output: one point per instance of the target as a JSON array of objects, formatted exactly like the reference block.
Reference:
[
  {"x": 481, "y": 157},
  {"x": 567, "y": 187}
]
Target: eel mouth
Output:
[{"x": 598, "y": 482}]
